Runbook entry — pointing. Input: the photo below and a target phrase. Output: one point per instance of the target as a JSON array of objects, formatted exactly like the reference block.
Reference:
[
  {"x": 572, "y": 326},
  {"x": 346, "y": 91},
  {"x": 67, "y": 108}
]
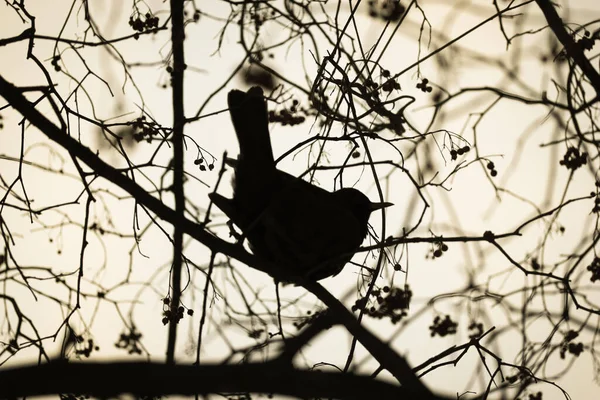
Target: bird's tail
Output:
[{"x": 250, "y": 119}]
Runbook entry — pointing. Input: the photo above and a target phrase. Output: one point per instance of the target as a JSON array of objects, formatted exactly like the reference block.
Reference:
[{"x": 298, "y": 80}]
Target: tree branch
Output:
[
  {"x": 104, "y": 380},
  {"x": 573, "y": 51},
  {"x": 177, "y": 39}
]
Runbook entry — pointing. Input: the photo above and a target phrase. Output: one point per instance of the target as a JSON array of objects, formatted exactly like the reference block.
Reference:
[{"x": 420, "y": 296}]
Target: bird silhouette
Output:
[{"x": 301, "y": 228}]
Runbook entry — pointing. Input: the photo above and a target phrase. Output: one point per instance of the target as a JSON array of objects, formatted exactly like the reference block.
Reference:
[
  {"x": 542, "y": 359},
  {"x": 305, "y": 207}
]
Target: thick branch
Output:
[{"x": 104, "y": 380}]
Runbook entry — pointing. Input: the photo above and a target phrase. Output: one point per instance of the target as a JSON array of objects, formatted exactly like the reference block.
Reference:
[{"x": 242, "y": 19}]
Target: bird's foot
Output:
[{"x": 239, "y": 237}]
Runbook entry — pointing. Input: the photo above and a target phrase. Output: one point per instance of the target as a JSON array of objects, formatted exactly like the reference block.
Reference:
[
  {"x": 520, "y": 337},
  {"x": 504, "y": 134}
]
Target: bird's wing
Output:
[{"x": 308, "y": 227}]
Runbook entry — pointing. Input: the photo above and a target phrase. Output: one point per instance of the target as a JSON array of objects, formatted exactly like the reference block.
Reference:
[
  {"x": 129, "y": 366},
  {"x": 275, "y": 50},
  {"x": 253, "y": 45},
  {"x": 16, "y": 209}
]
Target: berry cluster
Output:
[
  {"x": 130, "y": 341},
  {"x": 201, "y": 162},
  {"x": 586, "y": 42},
  {"x": 492, "y": 168},
  {"x": 574, "y": 348},
  {"x": 424, "y": 86},
  {"x": 476, "y": 328},
  {"x": 389, "y": 85},
  {"x": 144, "y": 129},
  {"x": 596, "y": 208},
  {"x": 397, "y": 122},
  {"x": 390, "y": 303},
  {"x": 594, "y": 268},
  {"x": 54, "y": 63},
  {"x": 169, "y": 315},
  {"x": 454, "y": 153},
  {"x": 573, "y": 159},
  {"x": 145, "y": 23},
  {"x": 196, "y": 16},
  {"x": 443, "y": 327},
  {"x": 522, "y": 375},
  {"x": 87, "y": 348},
  {"x": 441, "y": 249},
  {"x": 388, "y": 10},
  {"x": 293, "y": 115}
]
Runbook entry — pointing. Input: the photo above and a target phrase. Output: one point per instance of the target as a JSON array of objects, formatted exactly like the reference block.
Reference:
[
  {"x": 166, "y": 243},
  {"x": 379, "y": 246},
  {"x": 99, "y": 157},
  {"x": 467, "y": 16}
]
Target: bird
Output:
[{"x": 301, "y": 228}]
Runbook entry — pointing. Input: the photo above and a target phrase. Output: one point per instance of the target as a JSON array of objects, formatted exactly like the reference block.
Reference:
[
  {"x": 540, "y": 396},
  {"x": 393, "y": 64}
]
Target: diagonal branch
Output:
[{"x": 573, "y": 51}]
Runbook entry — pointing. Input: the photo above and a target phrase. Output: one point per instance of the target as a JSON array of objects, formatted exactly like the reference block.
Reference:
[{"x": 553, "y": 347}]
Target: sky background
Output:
[{"x": 510, "y": 135}]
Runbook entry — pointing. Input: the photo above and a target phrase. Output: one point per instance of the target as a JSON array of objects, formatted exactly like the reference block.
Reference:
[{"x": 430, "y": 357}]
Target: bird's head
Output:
[{"x": 359, "y": 205}]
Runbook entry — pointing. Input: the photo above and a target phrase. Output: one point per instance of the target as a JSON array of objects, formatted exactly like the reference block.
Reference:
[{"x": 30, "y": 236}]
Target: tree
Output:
[{"x": 477, "y": 120}]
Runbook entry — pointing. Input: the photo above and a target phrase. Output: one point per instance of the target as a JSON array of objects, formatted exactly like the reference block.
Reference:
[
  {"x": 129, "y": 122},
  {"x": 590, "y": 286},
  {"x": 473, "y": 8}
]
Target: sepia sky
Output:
[{"x": 513, "y": 135}]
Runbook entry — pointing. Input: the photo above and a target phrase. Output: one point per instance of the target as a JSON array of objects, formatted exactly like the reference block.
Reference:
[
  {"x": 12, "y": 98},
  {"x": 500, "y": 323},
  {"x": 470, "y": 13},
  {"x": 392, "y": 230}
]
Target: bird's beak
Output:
[{"x": 379, "y": 206}]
